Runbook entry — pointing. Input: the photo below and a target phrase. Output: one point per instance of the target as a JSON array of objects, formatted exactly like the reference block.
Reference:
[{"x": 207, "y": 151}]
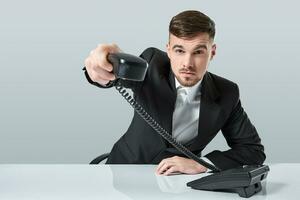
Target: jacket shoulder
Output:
[
  {"x": 221, "y": 81},
  {"x": 159, "y": 63},
  {"x": 226, "y": 88},
  {"x": 152, "y": 52}
]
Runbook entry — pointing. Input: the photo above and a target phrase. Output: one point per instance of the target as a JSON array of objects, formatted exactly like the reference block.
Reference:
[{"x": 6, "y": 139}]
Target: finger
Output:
[
  {"x": 171, "y": 159},
  {"x": 100, "y": 75},
  {"x": 101, "y": 54},
  {"x": 160, "y": 169},
  {"x": 104, "y": 63},
  {"x": 99, "y": 60},
  {"x": 93, "y": 67},
  {"x": 165, "y": 167},
  {"x": 103, "y": 74},
  {"x": 100, "y": 79},
  {"x": 171, "y": 170},
  {"x": 102, "y": 82},
  {"x": 111, "y": 48},
  {"x": 160, "y": 165}
]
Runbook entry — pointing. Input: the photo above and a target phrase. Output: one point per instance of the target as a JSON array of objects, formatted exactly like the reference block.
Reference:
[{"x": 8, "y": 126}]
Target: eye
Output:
[
  {"x": 179, "y": 51},
  {"x": 199, "y": 52}
]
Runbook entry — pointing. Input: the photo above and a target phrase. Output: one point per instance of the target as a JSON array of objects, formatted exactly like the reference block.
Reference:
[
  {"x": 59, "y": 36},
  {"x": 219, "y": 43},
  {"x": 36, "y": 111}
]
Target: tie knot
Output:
[
  {"x": 181, "y": 91},
  {"x": 181, "y": 96}
]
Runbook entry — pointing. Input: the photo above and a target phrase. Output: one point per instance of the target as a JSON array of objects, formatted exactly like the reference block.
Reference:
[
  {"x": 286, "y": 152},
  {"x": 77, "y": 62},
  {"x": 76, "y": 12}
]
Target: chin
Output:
[{"x": 187, "y": 82}]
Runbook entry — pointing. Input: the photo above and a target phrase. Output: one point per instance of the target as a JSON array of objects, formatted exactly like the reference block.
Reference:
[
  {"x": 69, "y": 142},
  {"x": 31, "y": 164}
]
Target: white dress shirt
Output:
[{"x": 186, "y": 112}]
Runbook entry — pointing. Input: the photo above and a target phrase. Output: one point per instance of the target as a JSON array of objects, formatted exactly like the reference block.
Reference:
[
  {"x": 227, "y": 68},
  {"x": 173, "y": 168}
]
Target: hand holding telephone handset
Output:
[{"x": 244, "y": 180}]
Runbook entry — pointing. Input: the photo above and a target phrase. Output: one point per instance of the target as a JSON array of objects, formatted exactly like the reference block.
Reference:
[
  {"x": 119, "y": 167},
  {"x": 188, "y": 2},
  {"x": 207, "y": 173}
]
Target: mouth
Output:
[{"x": 187, "y": 73}]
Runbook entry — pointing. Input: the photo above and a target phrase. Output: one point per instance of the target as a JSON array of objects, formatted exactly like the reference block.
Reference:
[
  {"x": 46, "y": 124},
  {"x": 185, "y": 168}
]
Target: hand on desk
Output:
[{"x": 179, "y": 164}]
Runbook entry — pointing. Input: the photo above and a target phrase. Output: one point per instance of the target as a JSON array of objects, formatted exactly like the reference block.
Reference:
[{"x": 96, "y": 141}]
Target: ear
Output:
[
  {"x": 213, "y": 51},
  {"x": 168, "y": 49}
]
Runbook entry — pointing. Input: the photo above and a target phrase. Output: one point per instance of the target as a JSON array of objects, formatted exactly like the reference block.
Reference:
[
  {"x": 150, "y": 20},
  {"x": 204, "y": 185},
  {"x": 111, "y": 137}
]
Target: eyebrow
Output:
[{"x": 199, "y": 46}]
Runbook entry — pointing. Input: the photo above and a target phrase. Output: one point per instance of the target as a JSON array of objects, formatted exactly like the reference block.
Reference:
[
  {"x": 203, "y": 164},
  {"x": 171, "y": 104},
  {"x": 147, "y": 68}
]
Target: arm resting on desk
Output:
[{"x": 242, "y": 137}]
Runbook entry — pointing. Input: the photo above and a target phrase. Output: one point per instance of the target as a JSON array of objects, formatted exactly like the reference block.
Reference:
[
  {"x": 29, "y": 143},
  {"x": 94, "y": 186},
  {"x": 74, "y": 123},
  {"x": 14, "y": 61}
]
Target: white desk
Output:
[{"x": 120, "y": 182}]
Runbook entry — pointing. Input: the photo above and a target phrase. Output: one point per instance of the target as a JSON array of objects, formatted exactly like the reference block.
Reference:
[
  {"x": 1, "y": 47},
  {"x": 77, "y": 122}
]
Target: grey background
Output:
[{"x": 50, "y": 114}]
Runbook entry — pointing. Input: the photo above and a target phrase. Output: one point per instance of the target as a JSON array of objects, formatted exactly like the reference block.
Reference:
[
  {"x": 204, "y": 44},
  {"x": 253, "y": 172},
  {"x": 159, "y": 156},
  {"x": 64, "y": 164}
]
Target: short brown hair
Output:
[{"x": 188, "y": 24}]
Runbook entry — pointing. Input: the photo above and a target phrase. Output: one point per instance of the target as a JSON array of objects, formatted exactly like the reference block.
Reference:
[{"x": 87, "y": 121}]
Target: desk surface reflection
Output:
[{"x": 126, "y": 182}]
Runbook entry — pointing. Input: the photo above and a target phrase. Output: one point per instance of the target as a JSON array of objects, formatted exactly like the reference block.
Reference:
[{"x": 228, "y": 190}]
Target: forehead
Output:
[{"x": 200, "y": 39}]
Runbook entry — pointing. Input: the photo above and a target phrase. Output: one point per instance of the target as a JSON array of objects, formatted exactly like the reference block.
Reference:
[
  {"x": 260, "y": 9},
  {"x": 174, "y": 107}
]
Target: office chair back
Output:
[{"x": 100, "y": 158}]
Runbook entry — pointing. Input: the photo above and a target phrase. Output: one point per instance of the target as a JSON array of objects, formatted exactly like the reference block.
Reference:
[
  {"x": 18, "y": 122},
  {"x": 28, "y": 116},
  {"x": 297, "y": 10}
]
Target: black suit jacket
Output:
[{"x": 220, "y": 110}]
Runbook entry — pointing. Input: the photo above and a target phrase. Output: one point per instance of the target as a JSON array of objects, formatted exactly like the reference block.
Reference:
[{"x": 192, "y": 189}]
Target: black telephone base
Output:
[
  {"x": 245, "y": 192},
  {"x": 246, "y": 181}
]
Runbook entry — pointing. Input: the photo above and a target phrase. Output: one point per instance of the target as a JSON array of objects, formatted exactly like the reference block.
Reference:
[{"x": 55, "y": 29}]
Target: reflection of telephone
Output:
[{"x": 246, "y": 181}]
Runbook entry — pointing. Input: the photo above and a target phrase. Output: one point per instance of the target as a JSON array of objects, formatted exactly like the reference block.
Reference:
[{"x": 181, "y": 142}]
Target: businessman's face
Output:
[{"x": 190, "y": 57}]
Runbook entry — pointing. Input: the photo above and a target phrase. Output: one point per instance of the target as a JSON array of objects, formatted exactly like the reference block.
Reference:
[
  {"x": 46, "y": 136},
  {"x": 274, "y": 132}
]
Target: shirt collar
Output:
[{"x": 192, "y": 92}]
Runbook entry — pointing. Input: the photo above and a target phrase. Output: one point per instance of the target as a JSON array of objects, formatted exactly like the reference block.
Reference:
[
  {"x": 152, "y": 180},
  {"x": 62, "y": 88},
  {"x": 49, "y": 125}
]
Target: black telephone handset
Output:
[
  {"x": 128, "y": 67},
  {"x": 246, "y": 181}
]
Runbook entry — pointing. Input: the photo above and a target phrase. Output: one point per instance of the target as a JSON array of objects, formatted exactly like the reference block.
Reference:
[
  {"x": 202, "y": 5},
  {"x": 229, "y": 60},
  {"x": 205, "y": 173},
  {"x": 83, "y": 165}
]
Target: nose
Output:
[{"x": 188, "y": 61}]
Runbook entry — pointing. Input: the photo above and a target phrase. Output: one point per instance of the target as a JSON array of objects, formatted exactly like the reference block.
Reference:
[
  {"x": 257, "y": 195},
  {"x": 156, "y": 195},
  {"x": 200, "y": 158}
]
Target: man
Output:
[{"x": 189, "y": 102}]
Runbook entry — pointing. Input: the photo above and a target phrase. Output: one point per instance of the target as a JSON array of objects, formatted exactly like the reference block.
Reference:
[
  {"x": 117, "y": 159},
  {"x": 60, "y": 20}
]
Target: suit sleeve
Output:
[
  {"x": 133, "y": 85},
  {"x": 243, "y": 140}
]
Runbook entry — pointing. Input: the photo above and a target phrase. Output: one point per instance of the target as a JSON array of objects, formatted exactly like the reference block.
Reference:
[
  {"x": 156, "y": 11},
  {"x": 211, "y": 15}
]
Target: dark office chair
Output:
[{"x": 100, "y": 158}]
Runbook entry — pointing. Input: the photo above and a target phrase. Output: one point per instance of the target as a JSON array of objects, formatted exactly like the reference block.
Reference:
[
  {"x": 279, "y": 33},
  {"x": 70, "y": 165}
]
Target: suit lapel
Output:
[
  {"x": 169, "y": 98},
  {"x": 209, "y": 112}
]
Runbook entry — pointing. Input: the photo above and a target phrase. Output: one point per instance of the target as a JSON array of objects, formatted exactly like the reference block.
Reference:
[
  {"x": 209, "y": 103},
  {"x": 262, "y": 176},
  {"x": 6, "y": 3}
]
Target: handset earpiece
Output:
[{"x": 128, "y": 67}]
